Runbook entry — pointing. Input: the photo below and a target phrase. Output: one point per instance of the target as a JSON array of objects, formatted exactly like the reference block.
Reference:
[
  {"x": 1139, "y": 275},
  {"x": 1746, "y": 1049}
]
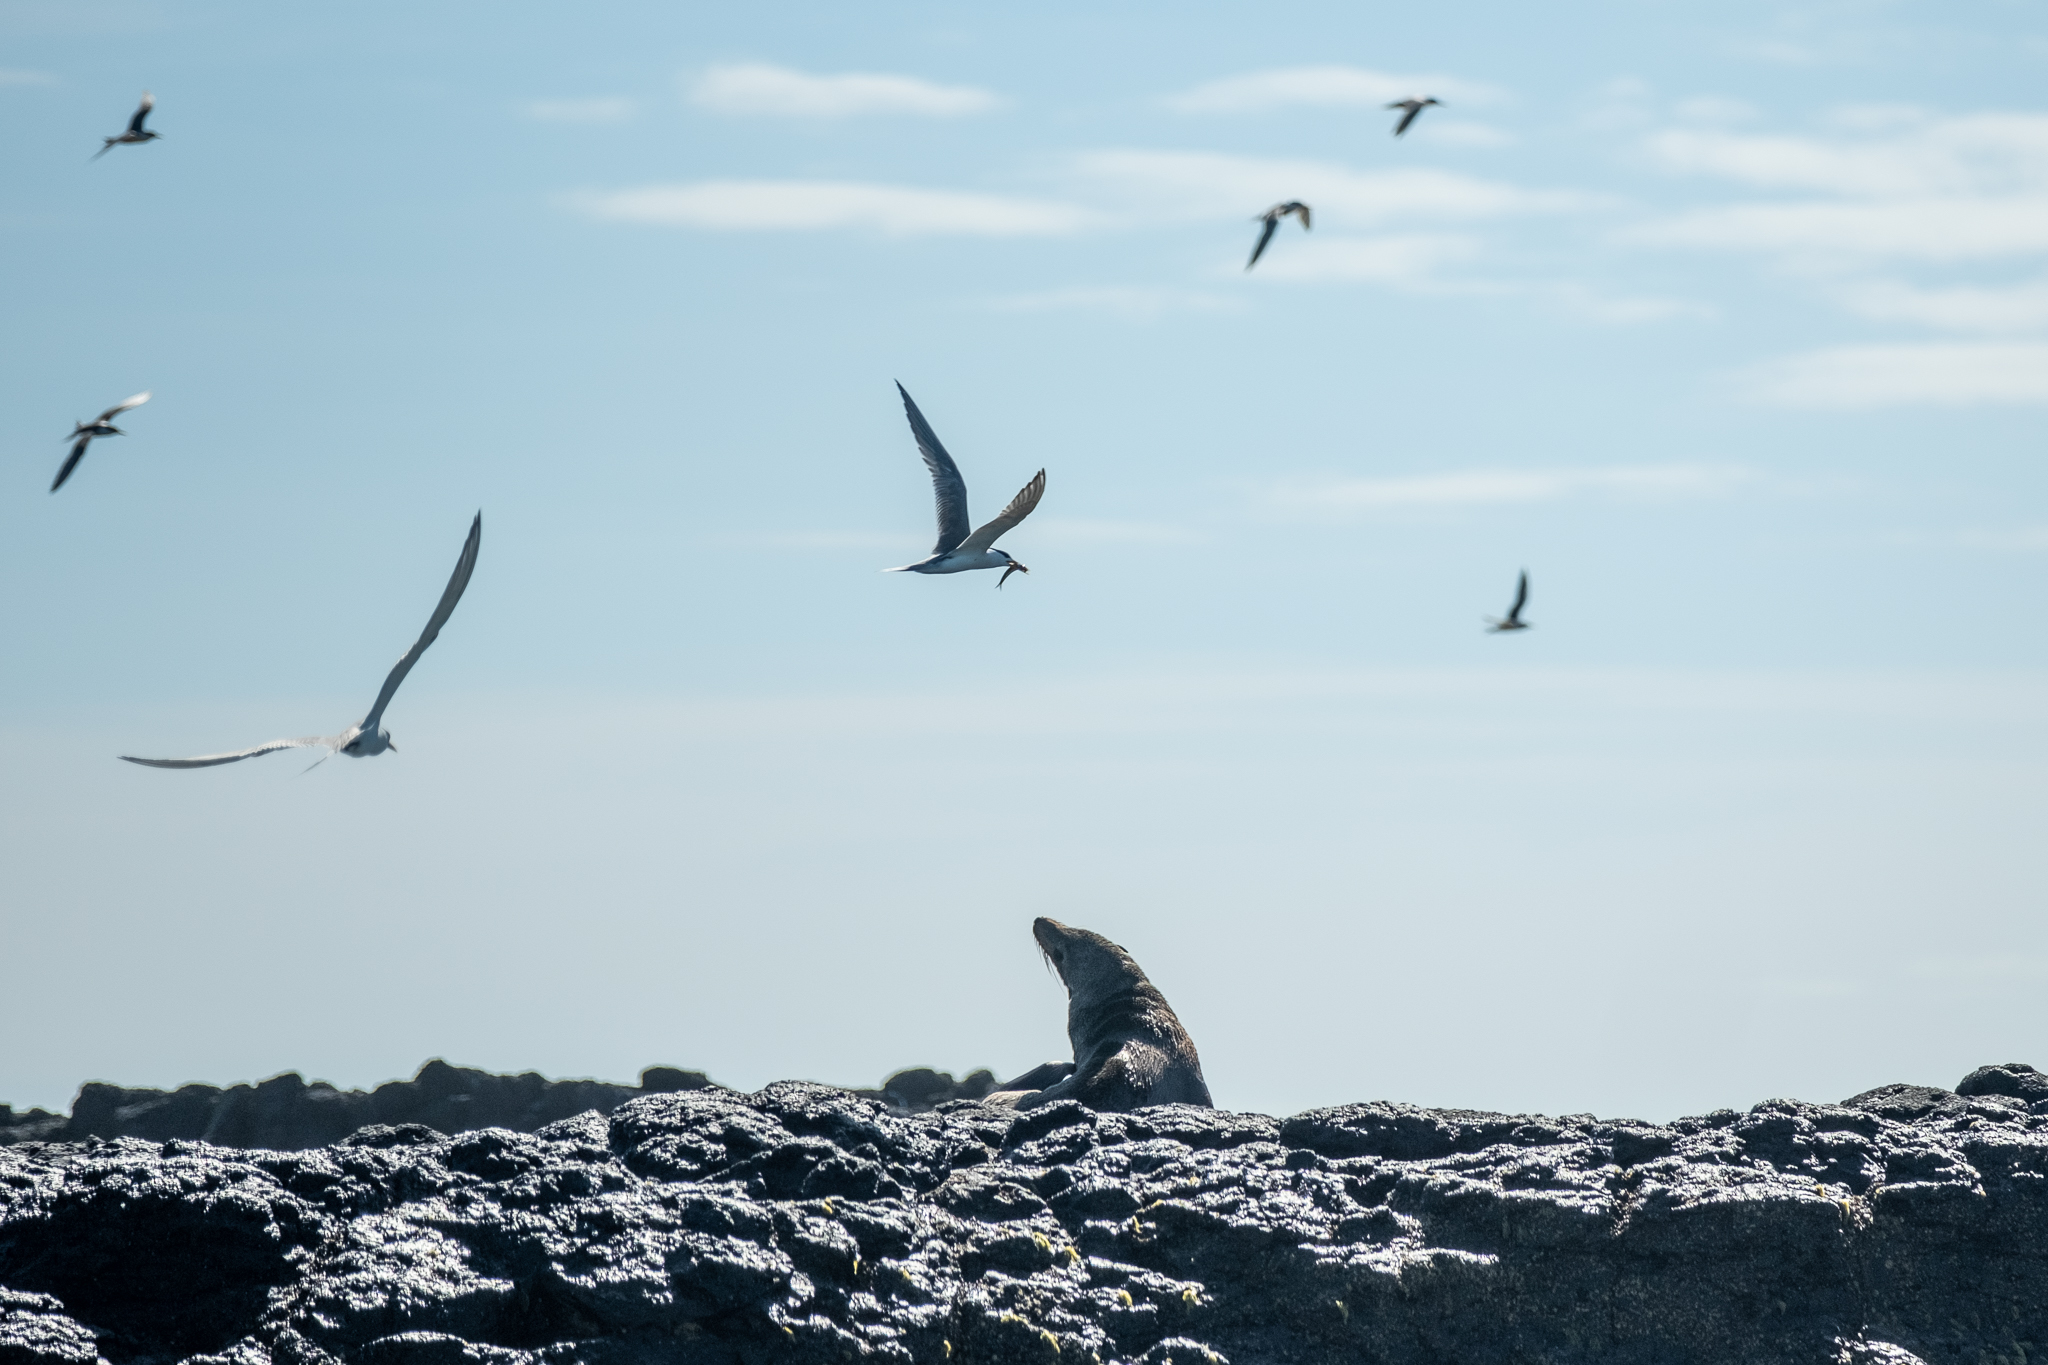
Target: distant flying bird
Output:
[
  {"x": 136, "y": 132},
  {"x": 957, "y": 551},
  {"x": 1271, "y": 218},
  {"x": 370, "y": 737},
  {"x": 1412, "y": 111},
  {"x": 1513, "y": 620},
  {"x": 83, "y": 433}
]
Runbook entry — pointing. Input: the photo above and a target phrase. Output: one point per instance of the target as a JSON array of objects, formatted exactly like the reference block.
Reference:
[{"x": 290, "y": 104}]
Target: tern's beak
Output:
[
  {"x": 1014, "y": 567},
  {"x": 392, "y": 747}
]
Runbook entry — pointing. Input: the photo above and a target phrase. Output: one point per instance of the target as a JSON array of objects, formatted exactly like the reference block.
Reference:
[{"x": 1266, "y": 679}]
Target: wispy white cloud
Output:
[
  {"x": 2008, "y": 540},
  {"x": 1973, "y": 971},
  {"x": 1619, "y": 105},
  {"x": 1466, "y": 133},
  {"x": 822, "y": 540},
  {"x": 1324, "y": 87},
  {"x": 595, "y": 109},
  {"x": 1847, "y": 235},
  {"x": 1714, "y": 109},
  {"x": 1065, "y": 530},
  {"x": 1411, "y": 259},
  {"x": 1883, "y": 188},
  {"x": 18, "y": 76},
  {"x": 2017, "y": 307},
  {"x": 893, "y": 210},
  {"x": 779, "y": 91},
  {"x": 1620, "y": 309},
  {"x": 1905, "y": 154},
  {"x": 1425, "y": 263},
  {"x": 1087, "y": 531},
  {"x": 1475, "y": 487},
  {"x": 1119, "y": 189},
  {"x": 1954, "y": 374},
  {"x": 1219, "y": 185},
  {"x": 1898, "y": 184},
  {"x": 1130, "y": 301}
]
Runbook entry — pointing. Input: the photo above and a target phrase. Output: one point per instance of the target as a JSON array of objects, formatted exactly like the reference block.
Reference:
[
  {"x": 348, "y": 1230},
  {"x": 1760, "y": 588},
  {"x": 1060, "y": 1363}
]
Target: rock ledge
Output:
[{"x": 803, "y": 1223}]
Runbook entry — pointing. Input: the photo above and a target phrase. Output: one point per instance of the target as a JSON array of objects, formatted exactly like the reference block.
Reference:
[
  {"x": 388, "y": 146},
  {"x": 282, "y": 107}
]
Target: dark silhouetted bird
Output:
[
  {"x": 1411, "y": 110},
  {"x": 84, "y": 432},
  {"x": 1513, "y": 620},
  {"x": 1271, "y": 218},
  {"x": 136, "y": 132}
]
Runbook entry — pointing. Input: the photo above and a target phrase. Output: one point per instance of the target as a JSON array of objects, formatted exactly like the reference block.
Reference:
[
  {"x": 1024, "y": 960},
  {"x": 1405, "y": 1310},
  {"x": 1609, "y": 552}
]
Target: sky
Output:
[{"x": 1729, "y": 324}]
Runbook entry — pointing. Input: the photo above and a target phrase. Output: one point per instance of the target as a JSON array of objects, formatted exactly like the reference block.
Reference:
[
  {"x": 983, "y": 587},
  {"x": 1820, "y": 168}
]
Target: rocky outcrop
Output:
[
  {"x": 286, "y": 1114},
  {"x": 803, "y": 1223}
]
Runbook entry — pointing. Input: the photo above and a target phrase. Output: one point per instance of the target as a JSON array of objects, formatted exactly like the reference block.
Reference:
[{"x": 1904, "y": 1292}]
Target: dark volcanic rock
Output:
[
  {"x": 2015, "y": 1079},
  {"x": 285, "y": 1114},
  {"x": 805, "y": 1224},
  {"x": 921, "y": 1089}
]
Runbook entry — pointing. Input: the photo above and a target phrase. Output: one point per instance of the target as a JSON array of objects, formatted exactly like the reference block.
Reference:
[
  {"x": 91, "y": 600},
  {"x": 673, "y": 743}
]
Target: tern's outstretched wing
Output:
[
  {"x": 1302, "y": 209},
  {"x": 215, "y": 760},
  {"x": 1272, "y": 226},
  {"x": 148, "y": 103},
  {"x": 948, "y": 488},
  {"x": 126, "y": 403},
  {"x": 464, "y": 567},
  {"x": 1019, "y": 508},
  {"x": 1414, "y": 113},
  {"x": 1521, "y": 597},
  {"x": 71, "y": 462}
]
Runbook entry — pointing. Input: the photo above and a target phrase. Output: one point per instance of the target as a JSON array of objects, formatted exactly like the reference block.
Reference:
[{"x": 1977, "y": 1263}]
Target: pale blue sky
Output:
[{"x": 1730, "y": 323}]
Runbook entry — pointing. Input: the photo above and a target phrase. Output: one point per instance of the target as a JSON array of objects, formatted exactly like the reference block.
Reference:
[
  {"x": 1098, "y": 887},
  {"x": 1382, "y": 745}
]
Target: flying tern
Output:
[
  {"x": 1411, "y": 111},
  {"x": 1513, "y": 620},
  {"x": 135, "y": 132},
  {"x": 958, "y": 551},
  {"x": 82, "y": 434},
  {"x": 1271, "y": 218},
  {"x": 370, "y": 737}
]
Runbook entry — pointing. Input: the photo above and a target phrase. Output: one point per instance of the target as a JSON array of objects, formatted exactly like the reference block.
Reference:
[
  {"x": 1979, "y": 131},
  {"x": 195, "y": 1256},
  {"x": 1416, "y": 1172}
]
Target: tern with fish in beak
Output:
[{"x": 957, "y": 550}]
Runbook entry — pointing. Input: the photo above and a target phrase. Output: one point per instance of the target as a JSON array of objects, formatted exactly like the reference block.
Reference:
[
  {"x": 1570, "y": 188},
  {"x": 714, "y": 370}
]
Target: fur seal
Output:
[{"x": 1129, "y": 1049}]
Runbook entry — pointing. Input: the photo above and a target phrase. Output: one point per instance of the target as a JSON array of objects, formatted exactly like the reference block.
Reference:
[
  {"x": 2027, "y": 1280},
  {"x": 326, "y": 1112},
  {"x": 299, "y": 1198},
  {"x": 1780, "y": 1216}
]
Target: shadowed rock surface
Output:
[
  {"x": 803, "y": 1223},
  {"x": 286, "y": 1114}
]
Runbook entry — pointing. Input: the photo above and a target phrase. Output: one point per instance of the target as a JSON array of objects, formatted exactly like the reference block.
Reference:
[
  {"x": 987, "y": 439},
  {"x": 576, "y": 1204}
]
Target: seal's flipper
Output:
[
  {"x": 1026, "y": 1091},
  {"x": 1039, "y": 1077}
]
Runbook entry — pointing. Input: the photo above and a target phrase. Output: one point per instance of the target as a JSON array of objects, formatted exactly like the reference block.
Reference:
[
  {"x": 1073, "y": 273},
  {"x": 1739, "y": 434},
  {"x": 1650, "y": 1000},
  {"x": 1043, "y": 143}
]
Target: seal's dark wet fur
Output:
[{"x": 1129, "y": 1048}]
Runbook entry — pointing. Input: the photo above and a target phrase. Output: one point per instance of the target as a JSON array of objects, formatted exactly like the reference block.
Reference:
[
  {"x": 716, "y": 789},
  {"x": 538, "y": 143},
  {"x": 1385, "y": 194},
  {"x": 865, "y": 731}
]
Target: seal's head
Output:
[{"x": 1089, "y": 964}]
